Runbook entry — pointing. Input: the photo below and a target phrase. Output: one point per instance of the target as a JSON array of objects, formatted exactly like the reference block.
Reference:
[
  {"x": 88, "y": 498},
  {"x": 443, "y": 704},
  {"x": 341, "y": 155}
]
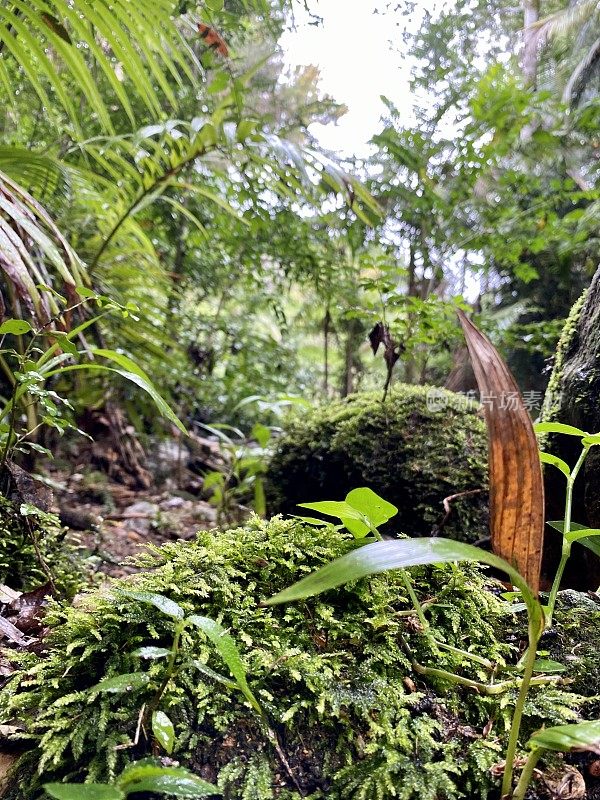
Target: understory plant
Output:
[
  {"x": 46, "y": 352},
  {"x": 571, "y": 531},
  {"x": 517, "y": 529}
]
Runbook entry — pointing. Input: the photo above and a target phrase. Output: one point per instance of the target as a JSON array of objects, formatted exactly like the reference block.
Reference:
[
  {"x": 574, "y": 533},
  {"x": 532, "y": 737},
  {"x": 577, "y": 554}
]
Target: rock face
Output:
[
  {"x": 573, "y": 397},
  {"x": 420, "y": 446}
]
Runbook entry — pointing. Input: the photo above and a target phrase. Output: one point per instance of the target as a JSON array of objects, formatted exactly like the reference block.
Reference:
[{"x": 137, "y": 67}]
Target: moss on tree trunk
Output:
[{"x": 573, "y": 397}]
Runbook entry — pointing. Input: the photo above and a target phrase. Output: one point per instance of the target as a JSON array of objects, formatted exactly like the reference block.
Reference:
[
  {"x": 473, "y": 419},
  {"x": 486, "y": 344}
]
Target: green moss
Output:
[
  {"x": 354, "y": 720},
  {"x": 552, "y": 404},
  {"x": 20, "y": 567},
  {"x": 409, "y": 452},
  {"x": 575, "y": 641}
]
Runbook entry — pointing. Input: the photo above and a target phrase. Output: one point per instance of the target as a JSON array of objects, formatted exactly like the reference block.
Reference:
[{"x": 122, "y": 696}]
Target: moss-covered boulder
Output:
[
  {"x": 421, "y": 445},
  {"x": 353, "y": 716}
]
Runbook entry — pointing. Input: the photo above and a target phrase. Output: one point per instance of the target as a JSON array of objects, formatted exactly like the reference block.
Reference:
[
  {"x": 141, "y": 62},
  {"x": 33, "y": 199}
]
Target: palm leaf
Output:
[{"x": 137, "y": 47}]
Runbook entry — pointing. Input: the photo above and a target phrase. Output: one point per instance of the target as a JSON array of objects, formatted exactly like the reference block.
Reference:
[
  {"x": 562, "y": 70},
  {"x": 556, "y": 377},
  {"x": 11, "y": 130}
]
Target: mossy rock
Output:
[
  {"x": 353, "y": 717},
  {"x": 410, "y": 450}
]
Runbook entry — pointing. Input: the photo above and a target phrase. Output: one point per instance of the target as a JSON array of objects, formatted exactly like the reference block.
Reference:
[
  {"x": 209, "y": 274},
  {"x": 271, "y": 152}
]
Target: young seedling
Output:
[{"x": 571, "y": 531}]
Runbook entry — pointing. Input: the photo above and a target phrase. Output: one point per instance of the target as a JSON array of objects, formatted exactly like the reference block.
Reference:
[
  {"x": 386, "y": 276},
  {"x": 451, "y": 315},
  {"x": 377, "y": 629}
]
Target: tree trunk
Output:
[
  {"x": 572, "y": 398},
  {"x": 531, "y": 14}
]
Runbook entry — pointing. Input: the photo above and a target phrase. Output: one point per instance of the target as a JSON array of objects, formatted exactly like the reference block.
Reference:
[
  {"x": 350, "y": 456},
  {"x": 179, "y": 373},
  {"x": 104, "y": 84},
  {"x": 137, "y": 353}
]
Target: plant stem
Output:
[
  {"x": 170, "y": 669},
  {"x": 513, "y": 739},
  {"x": 407, "y": 582},
  {"x": 527, "y": 773},
  {"x": 566, "y": 544}
]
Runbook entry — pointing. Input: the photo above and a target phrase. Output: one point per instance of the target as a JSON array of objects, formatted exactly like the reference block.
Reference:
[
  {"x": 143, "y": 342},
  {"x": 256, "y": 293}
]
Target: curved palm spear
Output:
[
  {"x": 580, "y": 23},
  {"x": 30, "y": 243}
]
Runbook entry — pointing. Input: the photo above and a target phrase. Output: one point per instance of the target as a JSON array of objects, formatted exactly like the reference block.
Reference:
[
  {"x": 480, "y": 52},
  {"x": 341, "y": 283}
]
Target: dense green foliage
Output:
[
  {"x": 24, "y": 538},
  {"x": 331, "y": 674},
  {"x": 412, "y": 452}
]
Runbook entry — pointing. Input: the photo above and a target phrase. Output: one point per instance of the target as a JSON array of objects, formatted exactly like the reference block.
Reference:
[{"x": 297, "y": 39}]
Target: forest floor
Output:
[{"x": 111, "y": 523}]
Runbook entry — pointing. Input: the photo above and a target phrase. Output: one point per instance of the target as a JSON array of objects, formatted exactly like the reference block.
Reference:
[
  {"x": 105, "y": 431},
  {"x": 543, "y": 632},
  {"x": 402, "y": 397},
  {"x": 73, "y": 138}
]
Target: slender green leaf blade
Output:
[
  {"x": 378, "y": 557},
  {"x": 163, "y": 730},
  {"x": 568, "y": 738},
  {"x": 558, "y": 427},
  {"x": 555, "y": 461},
  {"x": 83, "y": 791},
  {"x": 164, "y": 604},
  {"x": 227, "y": 649},
  {"x": 152, "y": 652}
]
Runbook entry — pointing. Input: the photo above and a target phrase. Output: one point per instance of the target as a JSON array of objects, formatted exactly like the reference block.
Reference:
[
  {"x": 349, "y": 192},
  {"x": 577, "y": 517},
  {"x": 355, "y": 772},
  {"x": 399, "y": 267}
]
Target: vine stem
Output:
[
  {"x": 515, "y": 726},
  {"x": 566, "y": 544},
  {"x": 527, "y": 773}
]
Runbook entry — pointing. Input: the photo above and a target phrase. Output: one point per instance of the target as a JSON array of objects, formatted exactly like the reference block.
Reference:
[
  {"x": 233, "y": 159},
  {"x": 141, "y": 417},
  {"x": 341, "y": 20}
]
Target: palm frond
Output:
[
  {"x": 565, "y": 22},
  {"x": 137, "y": 48},
  {"x": 33, "y": 252},
  {"x": 41, "y": 175},
  {"x": 581, "y": 75}
]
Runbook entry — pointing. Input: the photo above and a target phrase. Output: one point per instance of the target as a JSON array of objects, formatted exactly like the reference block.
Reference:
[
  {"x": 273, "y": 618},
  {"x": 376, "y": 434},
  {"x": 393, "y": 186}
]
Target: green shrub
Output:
[
  {"x": 352, "y": 716},
  {"x": 20, "y": 566},
  {"x": 409, "y": 453}
]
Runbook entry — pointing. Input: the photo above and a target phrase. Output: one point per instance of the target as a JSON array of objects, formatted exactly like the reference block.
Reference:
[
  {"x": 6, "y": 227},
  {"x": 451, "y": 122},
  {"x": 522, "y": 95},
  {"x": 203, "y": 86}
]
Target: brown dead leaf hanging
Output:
[
  {"x": 516, "y": 484},
  {"x": 391, "y": 350}
]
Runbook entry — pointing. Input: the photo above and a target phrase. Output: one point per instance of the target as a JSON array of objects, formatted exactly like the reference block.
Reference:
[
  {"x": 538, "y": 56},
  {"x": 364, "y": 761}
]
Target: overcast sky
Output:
[{"x": 360, "y": 56}]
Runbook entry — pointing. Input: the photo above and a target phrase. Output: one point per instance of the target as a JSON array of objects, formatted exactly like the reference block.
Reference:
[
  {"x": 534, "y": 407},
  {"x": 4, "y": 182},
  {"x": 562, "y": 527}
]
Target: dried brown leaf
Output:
[{"x": 516, "y": 485}]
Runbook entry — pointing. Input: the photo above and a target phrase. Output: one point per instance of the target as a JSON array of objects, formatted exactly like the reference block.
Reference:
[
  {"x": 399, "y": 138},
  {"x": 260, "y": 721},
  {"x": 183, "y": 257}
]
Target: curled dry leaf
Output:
[
  {"x": 381, "y": 335},
  {"x": 566, "y": 783},
  {"x": 516, "y": 484}
]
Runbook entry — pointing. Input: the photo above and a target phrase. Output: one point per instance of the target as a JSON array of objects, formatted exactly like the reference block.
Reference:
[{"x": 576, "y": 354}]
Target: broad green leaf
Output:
[
  {"x": 548, "y": 458},
  {"x": 227, "y": 649},
  {"x": 375, "y": 508},
  {"x": 163, "y": 730},
  {"x": 83, "y": 791},
  {"x": 590, "y": 441},
  {"x": 548, "y": 666},
  {"x": 152, "y": 652},
  {"x": 579, "y": 533},
  {"x": 261, "y": 433},
  {"x": 122, "y": 683},
  {"x": 15, "y": 326},
  {"x": 164, "y": 604},
  {"x": 378, "y": 557},
  {"x": 559, "y": 525},
  {"x": 568, "y": 738},
  {"x": 150, "y": 776},
  {"x": 349, "y": 516},
  {"x": 558, "y": 427},
  {"x": 214, "y": 5}
]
